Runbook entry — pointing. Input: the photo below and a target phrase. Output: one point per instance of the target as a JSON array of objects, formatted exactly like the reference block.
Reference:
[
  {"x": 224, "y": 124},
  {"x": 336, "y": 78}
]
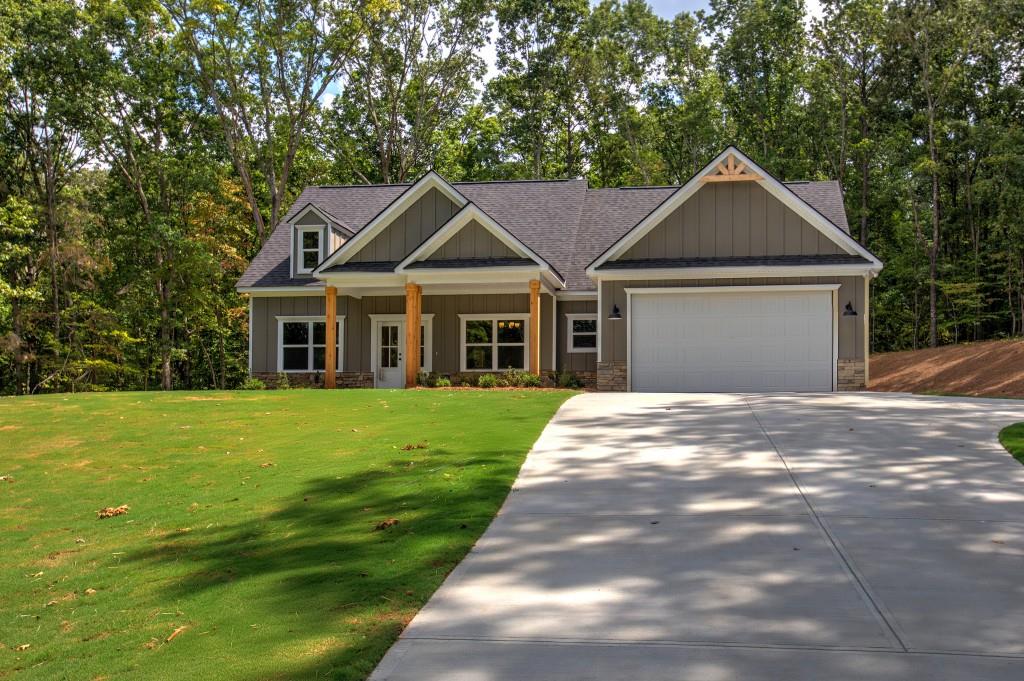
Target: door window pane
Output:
[{"x": 511, "y": 357}]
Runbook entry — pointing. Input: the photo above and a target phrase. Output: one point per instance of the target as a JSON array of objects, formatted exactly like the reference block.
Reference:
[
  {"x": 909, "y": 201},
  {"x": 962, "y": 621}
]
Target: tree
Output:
[{"x": 263, "y": 67}]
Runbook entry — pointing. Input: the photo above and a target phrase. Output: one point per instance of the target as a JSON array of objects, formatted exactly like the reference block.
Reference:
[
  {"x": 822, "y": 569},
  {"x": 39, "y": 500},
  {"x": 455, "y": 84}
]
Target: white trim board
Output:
[
  {"x": 833, "y": 289},
  {"x": 280, "y": 291},
  {"x": 377, "y": 225},
  {"x": 734, "y": 272},
  {"x": 323, "y": 215},
  {"x": 783, "y": 193}
]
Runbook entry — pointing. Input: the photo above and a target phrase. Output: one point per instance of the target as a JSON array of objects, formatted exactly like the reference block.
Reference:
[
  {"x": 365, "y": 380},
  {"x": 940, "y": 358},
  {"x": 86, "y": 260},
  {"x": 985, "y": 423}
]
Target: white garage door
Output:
[{"x": 731, "y": 342}]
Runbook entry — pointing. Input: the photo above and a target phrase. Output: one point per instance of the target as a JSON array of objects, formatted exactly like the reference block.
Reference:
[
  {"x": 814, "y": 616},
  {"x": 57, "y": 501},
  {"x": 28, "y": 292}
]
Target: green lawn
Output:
[
  {"x": 1012, "y": 438},
  {"x": 251, "y": 524}
]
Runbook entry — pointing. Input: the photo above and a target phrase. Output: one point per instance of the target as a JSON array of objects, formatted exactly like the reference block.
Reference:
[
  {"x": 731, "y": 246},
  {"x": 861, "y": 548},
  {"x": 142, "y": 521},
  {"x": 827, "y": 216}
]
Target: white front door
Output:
[
  {"x": 390, "y": 354},
  {"x": 742, "y": 341}
]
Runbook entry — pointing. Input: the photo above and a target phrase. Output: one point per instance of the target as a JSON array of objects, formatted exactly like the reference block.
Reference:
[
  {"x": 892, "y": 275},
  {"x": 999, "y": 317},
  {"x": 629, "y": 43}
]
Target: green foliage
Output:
[
  {"x": 1012, "y": 437},
  {"x": 234, "y": 520},
  {"x": 568, "y": 379},
  {"x": 521, "y": 379},
  {"x": 282, "y": 381},
  {"x": 488, "y": 381},
  {"x": 148, "y": 149},
  {"x": 443, "y": 382},
  {"x": 252, "y": 383}
]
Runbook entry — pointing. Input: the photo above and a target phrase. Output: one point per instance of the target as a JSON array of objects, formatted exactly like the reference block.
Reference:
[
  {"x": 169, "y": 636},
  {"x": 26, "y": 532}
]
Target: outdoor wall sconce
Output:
[
  {"x": 615, "y": 315},
  {"x": 849, "y": 311}
]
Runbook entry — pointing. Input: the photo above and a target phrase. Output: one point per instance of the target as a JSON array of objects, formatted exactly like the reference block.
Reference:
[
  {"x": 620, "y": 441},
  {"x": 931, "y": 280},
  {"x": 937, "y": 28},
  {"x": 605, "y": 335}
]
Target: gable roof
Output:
[
  {"x": 773, "y": 186},
  {"x": 563, "y": 221},
  {"x": 469, "y": 213}
]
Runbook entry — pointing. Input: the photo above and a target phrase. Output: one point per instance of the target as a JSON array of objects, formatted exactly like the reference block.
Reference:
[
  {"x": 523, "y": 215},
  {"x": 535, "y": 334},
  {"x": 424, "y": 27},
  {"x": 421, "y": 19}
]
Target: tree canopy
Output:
[{"x": 149, "y": 147}]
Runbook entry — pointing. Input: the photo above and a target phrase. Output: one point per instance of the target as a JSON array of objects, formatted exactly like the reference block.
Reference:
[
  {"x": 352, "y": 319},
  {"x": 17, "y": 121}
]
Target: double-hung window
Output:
[
  {"x": 494, "y": 342},
  {"x": 309, "y": 249},
  {"x": 581, "y": 332},
  {"x": 302, "y": 344}
]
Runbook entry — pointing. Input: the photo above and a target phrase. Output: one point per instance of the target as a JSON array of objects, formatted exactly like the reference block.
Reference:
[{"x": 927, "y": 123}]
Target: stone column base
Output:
[
  {"x": 611, "y": 376},
  {"x": 851, "y": 374}
]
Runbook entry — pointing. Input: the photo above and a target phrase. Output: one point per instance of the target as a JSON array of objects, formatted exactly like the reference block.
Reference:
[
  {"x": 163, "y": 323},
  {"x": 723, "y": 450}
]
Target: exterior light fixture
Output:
[
  {"x": 849, "y": 311},
  {"x": 615, "y": 315}
]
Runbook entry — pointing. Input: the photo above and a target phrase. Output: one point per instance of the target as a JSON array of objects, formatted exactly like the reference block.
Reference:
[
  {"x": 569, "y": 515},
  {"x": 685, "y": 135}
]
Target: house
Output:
[{"x": 734, "y": 281}]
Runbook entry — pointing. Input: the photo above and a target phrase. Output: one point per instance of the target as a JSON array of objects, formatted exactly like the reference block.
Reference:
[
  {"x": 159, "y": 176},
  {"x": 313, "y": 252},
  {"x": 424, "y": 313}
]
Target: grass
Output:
[
  {"x": 252, "y": 525},
  {"x": 1012, "y": 438}
]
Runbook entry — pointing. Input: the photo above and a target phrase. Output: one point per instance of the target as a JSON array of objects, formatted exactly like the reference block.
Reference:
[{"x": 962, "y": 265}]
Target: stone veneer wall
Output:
[
  {"x": 347, "y": 379},
  {"x": 851, "y": 374},
  {"x": 611, "y": 376}
]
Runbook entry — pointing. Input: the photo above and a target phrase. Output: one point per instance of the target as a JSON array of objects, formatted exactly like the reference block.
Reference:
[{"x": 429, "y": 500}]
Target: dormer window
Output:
[{"x": 309, "y": 248}]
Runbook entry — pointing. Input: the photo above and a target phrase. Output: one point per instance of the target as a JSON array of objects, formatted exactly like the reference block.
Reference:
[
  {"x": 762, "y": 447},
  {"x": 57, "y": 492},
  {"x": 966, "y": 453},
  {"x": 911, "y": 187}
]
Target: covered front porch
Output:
[{"x": 436, "y": 324}]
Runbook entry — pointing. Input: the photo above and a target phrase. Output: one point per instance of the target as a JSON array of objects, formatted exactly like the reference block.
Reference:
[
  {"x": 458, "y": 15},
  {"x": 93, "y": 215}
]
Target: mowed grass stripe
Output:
[{"x": 251, "y": 524}]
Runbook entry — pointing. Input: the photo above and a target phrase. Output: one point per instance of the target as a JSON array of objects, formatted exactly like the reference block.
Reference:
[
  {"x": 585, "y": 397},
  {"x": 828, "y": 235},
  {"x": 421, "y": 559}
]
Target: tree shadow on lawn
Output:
[{"x": 319, "y": 569}]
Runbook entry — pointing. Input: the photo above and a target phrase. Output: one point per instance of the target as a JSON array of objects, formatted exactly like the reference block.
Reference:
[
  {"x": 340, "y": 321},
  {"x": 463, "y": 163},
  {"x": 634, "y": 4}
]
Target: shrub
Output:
[
  {"x": 425, "y": 379},
  {"x": 443, "y": 382},
  {"x": 568, "y": 379},
  {"x": 282, "y": 381},
  {"x": 488, "y": 381},
  {"x": 528, "y": 380},
  {"x": 252, "y": 383}
]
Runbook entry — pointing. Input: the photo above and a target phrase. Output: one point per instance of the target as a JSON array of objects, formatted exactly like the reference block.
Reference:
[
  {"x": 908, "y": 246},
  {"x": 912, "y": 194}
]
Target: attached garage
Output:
[{"x": 733, "y": 339}]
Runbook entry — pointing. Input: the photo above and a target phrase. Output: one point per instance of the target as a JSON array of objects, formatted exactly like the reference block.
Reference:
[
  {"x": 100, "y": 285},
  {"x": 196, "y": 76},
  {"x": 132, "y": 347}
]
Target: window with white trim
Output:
[
  {"x": 309, "y": 248},
  {"x": 494, "y": 342},
  {"x": 581, "y": 332},
  {"x": 302, "y": 342}
]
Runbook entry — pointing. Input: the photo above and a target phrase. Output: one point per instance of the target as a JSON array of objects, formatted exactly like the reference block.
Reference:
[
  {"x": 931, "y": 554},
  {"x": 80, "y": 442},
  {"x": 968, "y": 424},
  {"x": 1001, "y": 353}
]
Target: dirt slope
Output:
[{"x": 993, "y": 368}]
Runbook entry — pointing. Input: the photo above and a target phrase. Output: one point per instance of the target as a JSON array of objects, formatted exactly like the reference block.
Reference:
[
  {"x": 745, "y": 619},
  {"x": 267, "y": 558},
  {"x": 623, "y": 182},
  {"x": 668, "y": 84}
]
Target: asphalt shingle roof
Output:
[
  {"x": 737, "y": 261},
  {"x": 563, "y": 221}
]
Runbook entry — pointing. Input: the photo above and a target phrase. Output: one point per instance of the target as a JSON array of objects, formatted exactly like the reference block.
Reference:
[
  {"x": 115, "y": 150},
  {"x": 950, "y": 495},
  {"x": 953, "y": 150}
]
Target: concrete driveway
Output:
[{"x": 717, "y": 537}]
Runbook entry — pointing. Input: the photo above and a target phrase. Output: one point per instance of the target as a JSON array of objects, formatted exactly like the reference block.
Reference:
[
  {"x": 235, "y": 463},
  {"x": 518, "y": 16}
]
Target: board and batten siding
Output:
[
  {"x": 473, "y": 241},
  {"x": 727, "y": 219},
  {"x": 574, "y": 361},
  {"x": 446, "y": 329},
  {"x": 851, "y": 289},
  {"x": 408, "y": 230}
]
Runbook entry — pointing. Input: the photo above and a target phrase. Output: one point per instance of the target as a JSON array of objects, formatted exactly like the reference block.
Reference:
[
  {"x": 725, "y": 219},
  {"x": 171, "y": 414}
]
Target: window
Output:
[
  {"x": 581, "y": 334},
  {"x": 494, "y": 343},
  {"x": 308, "y": 251},
  {"x": 302, "y": 344}
]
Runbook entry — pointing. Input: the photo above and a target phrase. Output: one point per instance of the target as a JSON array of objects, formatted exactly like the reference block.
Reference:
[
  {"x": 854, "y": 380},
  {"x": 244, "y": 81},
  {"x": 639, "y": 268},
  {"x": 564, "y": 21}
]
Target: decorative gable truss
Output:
[
  {"x": 732, "y": 165},
  {"x": 731, "y": 171}
]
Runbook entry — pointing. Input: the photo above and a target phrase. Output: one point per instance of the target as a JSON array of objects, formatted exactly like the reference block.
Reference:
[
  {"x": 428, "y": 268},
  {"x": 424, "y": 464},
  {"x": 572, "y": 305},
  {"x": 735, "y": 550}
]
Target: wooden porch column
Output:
[
  {"x": 331, "y": 340},
  {"x": 534, "y": 364},
  {"x": 413, "y": 308}
]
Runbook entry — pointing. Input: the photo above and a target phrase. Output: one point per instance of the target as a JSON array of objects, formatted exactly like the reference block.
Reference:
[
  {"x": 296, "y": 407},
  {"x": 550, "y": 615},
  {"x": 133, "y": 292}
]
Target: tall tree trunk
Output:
[{"x": 933, "y": 252}]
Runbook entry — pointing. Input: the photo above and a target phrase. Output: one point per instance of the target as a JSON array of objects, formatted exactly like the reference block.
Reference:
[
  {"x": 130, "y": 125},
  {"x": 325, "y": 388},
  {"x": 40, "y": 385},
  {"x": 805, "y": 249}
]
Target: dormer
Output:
[{"x": 315, "y": 234}]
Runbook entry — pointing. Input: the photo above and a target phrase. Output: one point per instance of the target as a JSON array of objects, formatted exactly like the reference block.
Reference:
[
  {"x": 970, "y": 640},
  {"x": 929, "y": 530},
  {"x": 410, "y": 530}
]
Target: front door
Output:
[{"x": 390, "y": 353}]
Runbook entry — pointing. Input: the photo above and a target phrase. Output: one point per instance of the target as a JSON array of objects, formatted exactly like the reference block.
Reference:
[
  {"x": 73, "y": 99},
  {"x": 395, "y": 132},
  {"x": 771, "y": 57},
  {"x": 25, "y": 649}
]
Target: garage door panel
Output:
[{"x": 742, "y": 341}]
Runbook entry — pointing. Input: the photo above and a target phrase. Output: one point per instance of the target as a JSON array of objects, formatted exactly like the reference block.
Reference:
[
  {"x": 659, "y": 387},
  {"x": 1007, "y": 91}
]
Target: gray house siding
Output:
[
  {"x": 731, "y": 219},
  {"x": 356, "y": 343},
  {"x": 574, "y": 361},
  {"x": 851, "y": 329},
  {"x": 473, "y": 241},
  {"x": 408, "y": 230}
]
